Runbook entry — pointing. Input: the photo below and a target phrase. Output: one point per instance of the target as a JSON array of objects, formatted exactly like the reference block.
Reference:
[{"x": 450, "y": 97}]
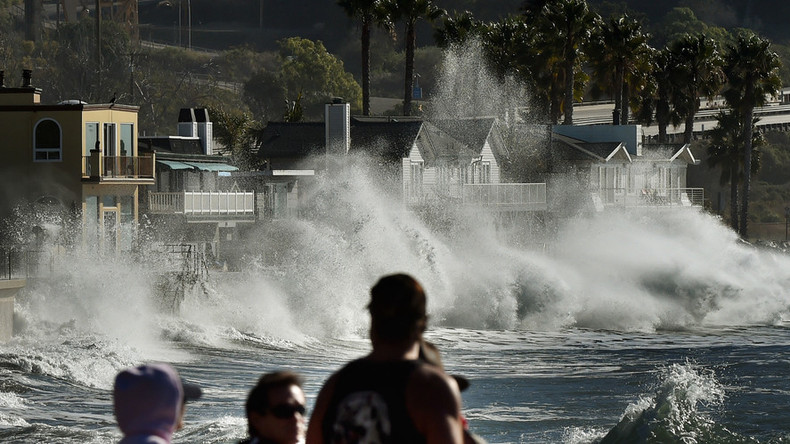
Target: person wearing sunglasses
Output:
[
  {"x": 390, "y": 396},
  {"x": 276, "y": 410}
]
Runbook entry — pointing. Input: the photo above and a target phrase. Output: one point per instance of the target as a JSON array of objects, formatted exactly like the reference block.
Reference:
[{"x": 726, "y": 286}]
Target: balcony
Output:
[
  {"x": 205, "y": 205},
  {"x": 494, "y": 196},
  {"x": 649, "y": 197},
  {"x": 104, "y": 168}
]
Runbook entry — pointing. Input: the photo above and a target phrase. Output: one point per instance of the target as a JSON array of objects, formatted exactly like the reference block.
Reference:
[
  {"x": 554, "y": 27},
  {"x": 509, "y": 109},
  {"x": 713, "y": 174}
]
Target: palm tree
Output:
[
  {"x": 617, "y": 51},
  {"x": 662, "y": 65},
  {"x": 696, "y": 71},
  {"x": 752, "y": 74},
  {"x": 369, "y": 12},
  {"x": 726, "y": 151},
  {"x": 565, "y": 26},
  {"x": 635, "y": 80},
  {"x": 409, "y": 11},
  {"x": 457, "y": 29}
]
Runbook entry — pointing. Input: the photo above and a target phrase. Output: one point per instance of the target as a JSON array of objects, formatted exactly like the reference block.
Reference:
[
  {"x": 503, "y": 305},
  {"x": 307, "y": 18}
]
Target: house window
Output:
[
  {"x": 91, "y": 137},
  {"x": 416, "y": 178},
  {"x": 485, "y": 173},
  {"x": 127, "y": 139},
  {"x": 109, "y": 140},
  {"x": 47, "y": 141}
]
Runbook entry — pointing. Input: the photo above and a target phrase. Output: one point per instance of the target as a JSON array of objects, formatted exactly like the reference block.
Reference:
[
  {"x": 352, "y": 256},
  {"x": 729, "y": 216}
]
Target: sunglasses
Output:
[{"x": 285, "y": 411}]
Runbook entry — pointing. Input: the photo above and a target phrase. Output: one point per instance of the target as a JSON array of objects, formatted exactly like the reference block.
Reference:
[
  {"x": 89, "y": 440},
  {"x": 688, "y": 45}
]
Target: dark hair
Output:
[
  {"x": 258, "y": 399},
  {"x": 397, "y": 308}
]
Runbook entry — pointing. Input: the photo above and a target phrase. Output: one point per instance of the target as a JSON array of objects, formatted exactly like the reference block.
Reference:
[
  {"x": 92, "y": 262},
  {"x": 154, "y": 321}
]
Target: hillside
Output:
[{"x": 261, "y": 23}]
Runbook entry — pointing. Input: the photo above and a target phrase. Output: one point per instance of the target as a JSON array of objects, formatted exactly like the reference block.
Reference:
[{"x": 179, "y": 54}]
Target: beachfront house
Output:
[
  {"x": 612, "y": 164},
  {"x": 70, "y": 164},
  {"x": 195, "y": 199},
  {"x": 456, "y": 160}
]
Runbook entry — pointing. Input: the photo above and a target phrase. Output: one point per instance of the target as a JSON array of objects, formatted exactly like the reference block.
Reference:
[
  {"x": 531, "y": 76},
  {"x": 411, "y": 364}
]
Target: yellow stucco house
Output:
[{"x": 80, "y": 159}]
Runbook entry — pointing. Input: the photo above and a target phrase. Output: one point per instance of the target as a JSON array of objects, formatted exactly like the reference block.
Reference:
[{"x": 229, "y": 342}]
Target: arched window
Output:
[{"x": 47, "y": 141}]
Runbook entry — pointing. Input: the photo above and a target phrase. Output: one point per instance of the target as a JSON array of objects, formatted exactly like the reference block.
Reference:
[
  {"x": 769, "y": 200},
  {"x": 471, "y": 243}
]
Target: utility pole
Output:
[
  {"x": 189, "y": 4},
  {"x": 98, "y": 43}
]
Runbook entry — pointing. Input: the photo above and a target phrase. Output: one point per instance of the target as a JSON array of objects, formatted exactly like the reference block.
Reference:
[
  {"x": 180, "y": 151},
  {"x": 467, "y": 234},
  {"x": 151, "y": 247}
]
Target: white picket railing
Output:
[
  {"x": 203, "y": 203},
  {"x": 500, "y": 195},
  {"x": 650, "y": 197}
]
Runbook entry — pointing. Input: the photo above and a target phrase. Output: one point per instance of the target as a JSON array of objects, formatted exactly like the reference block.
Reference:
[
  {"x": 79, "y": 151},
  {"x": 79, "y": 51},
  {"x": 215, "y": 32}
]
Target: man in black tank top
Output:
[{"x": 389, "y": 396}]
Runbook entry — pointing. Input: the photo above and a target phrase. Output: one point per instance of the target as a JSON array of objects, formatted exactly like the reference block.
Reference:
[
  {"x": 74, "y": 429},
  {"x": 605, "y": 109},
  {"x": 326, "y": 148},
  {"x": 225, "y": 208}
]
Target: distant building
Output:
[
  {"x": 75, "y": 160},
  {"x": 611, "y": 163},
  {"x": 458, "y": 159},
  {"x": 195, "y": 200}
]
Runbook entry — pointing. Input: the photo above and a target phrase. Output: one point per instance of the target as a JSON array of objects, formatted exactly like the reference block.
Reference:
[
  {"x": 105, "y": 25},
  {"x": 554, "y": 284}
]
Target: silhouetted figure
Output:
[
  {"x": 430, "y": 354},
  {"x": 390, "y": 396}
]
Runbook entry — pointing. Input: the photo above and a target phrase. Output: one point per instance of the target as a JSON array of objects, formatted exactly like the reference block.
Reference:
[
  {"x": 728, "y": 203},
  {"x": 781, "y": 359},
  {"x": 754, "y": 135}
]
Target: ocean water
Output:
[
  {"x": 659, "y": 326},
  {"x": 656, "y": 326}
]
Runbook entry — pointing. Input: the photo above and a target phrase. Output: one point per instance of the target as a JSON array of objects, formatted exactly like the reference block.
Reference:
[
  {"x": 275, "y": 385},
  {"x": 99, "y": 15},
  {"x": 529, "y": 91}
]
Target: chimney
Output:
[
  {"x": 205, "y": 130},
  {"x": 337, "y": 126},
  {"x": 25, "y": 95},
  {"x": 187, "y": 125},
  {"x": 27, "y": 75}
]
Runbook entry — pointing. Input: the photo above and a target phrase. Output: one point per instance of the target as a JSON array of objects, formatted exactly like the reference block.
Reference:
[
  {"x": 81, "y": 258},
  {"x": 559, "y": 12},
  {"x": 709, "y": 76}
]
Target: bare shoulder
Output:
[
  {"x": 432, "y": 379},
  {"x": 314, "y": 432},
  {"x": 434, "y": 403}
]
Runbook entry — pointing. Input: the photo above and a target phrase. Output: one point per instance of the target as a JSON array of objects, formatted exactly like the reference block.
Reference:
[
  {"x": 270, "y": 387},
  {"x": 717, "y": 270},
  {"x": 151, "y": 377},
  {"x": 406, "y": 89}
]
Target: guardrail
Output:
[
  {"x": 203, "y": 203},
  {"x": 128, "y": 167},
  {"x": 504, "y": 194},
  {"x": 651, "y": 197},
  {"x": 500, "y": 195},
  {"x": 17, "y": 264}
]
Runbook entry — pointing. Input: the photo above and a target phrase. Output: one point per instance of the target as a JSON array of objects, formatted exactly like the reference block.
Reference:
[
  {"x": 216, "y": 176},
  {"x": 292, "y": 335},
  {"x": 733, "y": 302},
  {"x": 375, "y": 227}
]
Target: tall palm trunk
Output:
[
  {"x": 568, "y": 101},
  {"x": 618, "y": 93},
  {"x": 625, "y": 111},
  {"x": 747, "y": 161},
  {"x": 662, "y": 117},
  {"x": 734, "y": 197},
  {"x": 408, "y": 80},
  {"x": 366, "y": 19},
  {"x": 688, "y": 131}
]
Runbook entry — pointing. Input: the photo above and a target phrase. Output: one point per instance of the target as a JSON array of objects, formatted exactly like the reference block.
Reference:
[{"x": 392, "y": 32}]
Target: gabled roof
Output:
[
  {"x": 576, "y": 149},
  {"x": 386, "y": 138},
  {"x": 472, "y": 132},
  {"x": 389, "y": 140},
  {"x": 292, "y": 139},
  {"x": 669, "y": 152},
  {"x": 439, "y": 144},
  {"x": 685, "y": 153}
]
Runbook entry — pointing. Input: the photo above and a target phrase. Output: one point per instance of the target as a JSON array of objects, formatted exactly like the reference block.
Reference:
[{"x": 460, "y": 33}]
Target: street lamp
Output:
[
  {"x": 189, "y": 35},
  {"x": 787, "y": 218}
]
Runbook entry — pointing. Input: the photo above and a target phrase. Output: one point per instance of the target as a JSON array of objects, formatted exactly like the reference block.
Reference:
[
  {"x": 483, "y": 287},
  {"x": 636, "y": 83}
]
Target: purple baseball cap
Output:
[{"x": 147, "y": 399}]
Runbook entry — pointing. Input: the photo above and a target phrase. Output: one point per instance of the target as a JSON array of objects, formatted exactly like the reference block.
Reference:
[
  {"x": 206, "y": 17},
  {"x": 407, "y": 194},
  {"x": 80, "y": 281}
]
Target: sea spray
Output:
[{"x": 678, "y": 412}]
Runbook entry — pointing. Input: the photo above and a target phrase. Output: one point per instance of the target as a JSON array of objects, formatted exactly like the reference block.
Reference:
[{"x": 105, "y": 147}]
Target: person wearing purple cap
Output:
[{"x": 149, "y": 403}]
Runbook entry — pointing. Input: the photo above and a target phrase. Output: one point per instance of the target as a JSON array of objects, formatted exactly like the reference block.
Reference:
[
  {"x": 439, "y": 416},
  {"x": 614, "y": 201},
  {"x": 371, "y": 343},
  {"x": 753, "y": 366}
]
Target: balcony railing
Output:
[
  {"x": 499, "y": 195},
  {"x": 117, "y": 167},
  {"x": 19, "y": 264},
  {"x": 203, "y": 203},
  {"x": 651, "y": 197}
]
